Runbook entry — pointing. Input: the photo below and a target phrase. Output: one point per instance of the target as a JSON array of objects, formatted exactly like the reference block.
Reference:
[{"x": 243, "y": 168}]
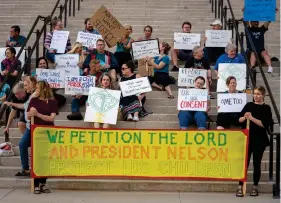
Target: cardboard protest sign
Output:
[
  {"x": 102, "y": 106},
  {"x": 231, "y": 102},
  {"x": 135, "y": 86},
  {"x": 238, "y": 70},
  {"x": 79, "y": 85},
  {"x": 144, "y": 69},
  {"x": 21, "y": 58},
  {"x": 192, "y": 99},
  {"x": 187, "y": 76},
  {"x": 142, "y": 49},
  {"x": 68, "y": 63},
  {"x": 261, "y": 10},
  {"x": 55, "y": 78},
  {"x": 218, "y": 38},
  {"x": 88, "y": 39},
  {"x": 108, "y": 26},
  {"x": 59, "y": 41},
  {"x": 186, "y": 41}
]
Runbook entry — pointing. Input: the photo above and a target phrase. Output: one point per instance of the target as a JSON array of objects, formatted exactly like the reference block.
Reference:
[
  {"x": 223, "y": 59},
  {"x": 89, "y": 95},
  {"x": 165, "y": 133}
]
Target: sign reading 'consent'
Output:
[{"x": 193, "y": 99}]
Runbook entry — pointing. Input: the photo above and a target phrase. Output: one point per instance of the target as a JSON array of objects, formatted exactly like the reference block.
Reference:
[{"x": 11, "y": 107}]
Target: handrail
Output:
[{"x": 35, "y": 46}]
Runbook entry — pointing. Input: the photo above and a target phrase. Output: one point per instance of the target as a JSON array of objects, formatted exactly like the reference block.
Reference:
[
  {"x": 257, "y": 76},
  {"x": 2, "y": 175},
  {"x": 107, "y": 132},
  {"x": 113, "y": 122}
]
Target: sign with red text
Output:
[
  {"x": 187, "y": 76},
  {"x": 108, "y": 26},
  {"x": 186, "y": 41},
  {"x": 231, "y": 102},
  {"x": 79, "y": 85},
  {"x": 135, "y": 86},
  {"x": 59, "y": 41},
  {"x": 88, "y": 39},
  {"x": 139, "y": 153},
  {"x": 55, "y": 78},
  {"x": 192, "y": 99}
]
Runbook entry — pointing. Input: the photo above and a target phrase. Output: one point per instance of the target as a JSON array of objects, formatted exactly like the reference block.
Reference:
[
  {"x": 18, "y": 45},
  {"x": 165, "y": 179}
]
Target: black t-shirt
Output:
[
  {"x": 258, "y": 136},
  {"x": 214, "y": 53},
  {"x": 197, "y": 63},
  {"x": 19, "y": 101},
  {"x": 257, "y": 35}
]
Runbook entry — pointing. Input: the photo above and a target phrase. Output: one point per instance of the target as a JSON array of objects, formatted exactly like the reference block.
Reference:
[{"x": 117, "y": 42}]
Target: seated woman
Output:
[
  {"x": 123, "y": 48},
  {"x": 230, "y": 56},
  {"x": 147, "y": 33},
  {"x": 43, "y": 63},
  {"x": 225, "y": 120},
  {"x": 200, "y": 117},
  {"x": 105, "y": 82},
  {"x": 78, "y": 49},
  {"x": 42, "y": 116},
  {"x": 12, "y": 64},
  {"x": 161, "y": 69},
  {"x": 130, "y": 106}
]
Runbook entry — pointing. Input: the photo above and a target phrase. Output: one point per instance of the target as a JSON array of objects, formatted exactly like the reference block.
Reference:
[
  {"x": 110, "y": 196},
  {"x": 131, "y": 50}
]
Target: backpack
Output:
[{"x": 6, "y": 149}]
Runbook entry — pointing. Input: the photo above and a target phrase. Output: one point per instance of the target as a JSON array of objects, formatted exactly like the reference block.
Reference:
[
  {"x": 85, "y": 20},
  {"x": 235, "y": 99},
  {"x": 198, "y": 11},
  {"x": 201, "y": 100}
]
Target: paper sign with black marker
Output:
[
  {"x": 231, "y": 102},
  {"x": 142, "y": 49},
  {"x": 135, "y": 86},
  {"x": 192, "y": 99},
  {"x": 187, "y": 76},
  {"x": 186, "y": 41}
]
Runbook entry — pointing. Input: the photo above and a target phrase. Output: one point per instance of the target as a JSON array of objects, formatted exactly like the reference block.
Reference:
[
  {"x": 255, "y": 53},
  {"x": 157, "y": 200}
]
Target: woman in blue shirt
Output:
[
  {"x": 230, "y": 56},
  {"x": 161, "y": 69}
]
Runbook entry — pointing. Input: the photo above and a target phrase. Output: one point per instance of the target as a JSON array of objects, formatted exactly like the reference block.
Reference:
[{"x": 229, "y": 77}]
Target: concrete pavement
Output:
[{"x": 63, "y": 196}]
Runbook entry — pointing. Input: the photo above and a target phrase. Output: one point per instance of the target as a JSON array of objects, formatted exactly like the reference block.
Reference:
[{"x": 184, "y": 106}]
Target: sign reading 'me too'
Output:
[{"x": 168, "y": 154}]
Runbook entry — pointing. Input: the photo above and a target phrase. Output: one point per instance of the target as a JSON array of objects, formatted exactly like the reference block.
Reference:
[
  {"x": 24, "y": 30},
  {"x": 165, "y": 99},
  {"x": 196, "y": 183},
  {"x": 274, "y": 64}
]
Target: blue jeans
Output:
[
  {"x": 76, "y": 103},
  {"x": 50, "y": 56},
  {"x": 25, "y": 142},
  {"x": 187, "y": 117}
]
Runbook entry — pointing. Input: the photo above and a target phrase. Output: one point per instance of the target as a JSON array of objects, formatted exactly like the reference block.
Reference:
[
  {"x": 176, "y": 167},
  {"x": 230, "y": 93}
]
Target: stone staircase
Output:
[{"x": 165, "y": 17}]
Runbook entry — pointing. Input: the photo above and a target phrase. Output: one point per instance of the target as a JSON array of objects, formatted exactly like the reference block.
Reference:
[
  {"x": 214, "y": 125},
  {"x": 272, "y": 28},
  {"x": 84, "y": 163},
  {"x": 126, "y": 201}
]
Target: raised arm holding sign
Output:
[
  {"x": 88, "y": 39},
  {"x": 59, "y": 41},
  {"x": 262, "y": 10}
]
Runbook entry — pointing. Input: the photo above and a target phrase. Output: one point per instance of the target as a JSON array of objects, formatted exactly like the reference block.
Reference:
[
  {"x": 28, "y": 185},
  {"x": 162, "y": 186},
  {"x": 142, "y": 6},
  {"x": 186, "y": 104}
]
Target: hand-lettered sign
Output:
[
  {"x": 79, "y": 85},
  {"x": 108, "y": 26},
  {"x": 218, "y": 38},
  {"x": 238, "y": 70},
  {"x": 59, "y": 41},
  {"x": 21, "y": 58},
  {"x": 231, "y": 102},
  {"x": 186, "y": 41},
  {"x": 55, "y": 78},
  {"x": 188, "y": 75},
  {"x": 147, "y": 154},
  {"x": 68, "y": 63},
  {"x": 88, "y": 39},
  {"x": 144, "y": 69},
  {"x": 102, "y": 106},
  {"x": 192, "y": 99},
  {"x": 261, "y": 10},
  {"x": 142, "y": 49},
  {"x": 135, "y": 86}
]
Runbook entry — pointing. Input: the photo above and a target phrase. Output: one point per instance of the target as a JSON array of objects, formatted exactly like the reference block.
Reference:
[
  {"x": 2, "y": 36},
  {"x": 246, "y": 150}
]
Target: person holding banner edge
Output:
[{"x": 260, "y": 117}]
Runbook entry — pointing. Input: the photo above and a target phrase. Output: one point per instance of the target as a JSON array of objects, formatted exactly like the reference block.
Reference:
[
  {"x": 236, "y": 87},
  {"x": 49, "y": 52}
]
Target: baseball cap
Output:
[{"x": 216, "y": 22}]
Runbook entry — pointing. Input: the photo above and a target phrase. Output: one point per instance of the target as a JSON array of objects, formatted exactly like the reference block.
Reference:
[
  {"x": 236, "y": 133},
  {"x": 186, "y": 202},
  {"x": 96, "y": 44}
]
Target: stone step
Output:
[
  {"x": 10, "y": 171},
  {"x": 135, "y": 185}
]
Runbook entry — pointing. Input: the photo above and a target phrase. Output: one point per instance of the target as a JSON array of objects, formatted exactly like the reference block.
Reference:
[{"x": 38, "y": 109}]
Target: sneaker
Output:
[
  {"x": 75, "y": 116},
  {"x": 270, "y": 69},
  {"x": 136, "y": 118},
  {"x": 175, "y": 69},
  {"x": 129, "y": 117}
]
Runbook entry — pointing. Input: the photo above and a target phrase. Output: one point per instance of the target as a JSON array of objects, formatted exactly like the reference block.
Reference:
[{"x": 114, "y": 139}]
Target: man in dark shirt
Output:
[
  {"x": 15, "y": 39},
  {"x": 257, "y": 35}
]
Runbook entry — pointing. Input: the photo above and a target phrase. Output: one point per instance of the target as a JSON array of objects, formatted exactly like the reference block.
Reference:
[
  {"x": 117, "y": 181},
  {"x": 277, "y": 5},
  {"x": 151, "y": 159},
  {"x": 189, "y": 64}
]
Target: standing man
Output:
[
  {"x": 15, "y": 39},
  {"x": 182, "y": 55}
]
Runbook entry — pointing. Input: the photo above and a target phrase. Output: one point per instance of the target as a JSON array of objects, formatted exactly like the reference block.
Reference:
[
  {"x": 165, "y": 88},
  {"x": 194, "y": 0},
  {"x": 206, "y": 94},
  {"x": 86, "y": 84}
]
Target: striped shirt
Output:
[{"x": 48, "y": 41}]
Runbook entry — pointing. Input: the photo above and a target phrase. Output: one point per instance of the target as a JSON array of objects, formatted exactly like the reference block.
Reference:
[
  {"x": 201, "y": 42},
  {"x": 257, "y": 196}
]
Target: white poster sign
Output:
[
  {"x": 68, "y": 63},
  {"x": 231, "y": 102},
  {"x": 187, "y": 76},
  {"x": 135, "y": 86},
  {"x": 186, "y": 41},
  {"x": 218, "y": 38},
  {"x": 192, "y": 99},
  {"x": 59, "y": 41},
  {"x": 55, "y": 78},
  {"x": 102, "y": 106},
  {"x": 79, "y": 85},
  {"x": 88, "y": 39},
  {"x": 142, "y": 49},
  {"x": 21, "y": 58},
  {"x": 238, "y": 70}
]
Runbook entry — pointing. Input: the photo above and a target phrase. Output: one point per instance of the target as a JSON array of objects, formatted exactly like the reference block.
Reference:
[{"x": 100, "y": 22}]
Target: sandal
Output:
[
  {"x": 37, "y": 191},
  {"x": 44, "y": 189},
  {"x": 254, "y": 192},
  {"x": 239, "y": 192},
  {"x": 171, "y": 97},
  {"x": 23, "y": 173}
]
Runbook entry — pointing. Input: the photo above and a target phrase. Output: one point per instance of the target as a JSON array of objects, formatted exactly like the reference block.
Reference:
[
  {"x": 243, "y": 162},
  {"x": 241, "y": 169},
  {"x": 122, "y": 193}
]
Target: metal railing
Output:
[{"x": 26, "y": 68}]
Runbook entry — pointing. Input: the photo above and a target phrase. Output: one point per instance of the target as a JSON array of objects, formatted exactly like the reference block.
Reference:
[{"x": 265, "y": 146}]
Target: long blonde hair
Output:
[
  {"x": 74, "y": 47},
  {"x": 45, "y": 90}
]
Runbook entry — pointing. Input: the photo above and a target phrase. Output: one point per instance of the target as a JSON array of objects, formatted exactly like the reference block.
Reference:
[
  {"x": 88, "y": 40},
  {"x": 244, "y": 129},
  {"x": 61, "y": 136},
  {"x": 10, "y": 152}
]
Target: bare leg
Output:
[
  {"x": 266, "y": 58},
  {"x": 96, "y": 125},
  {"x": 168, "y": 89},
  {"x": 156, "y": 86},
  {"x": 113, "y": 74},
  {"x": 136, "y": 114},
  {"x": 175, "y": 53},
  {"x": 106, "y": 125},
  {"x": 253, "y": 60},
  {"x": 220, "y": 128},
  {"x": 21, "y": 126}
]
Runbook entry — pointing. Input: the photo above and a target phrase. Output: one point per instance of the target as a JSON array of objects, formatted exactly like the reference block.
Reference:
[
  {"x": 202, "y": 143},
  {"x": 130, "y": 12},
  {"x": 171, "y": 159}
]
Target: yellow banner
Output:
[{"x": 163, "y": 154}]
